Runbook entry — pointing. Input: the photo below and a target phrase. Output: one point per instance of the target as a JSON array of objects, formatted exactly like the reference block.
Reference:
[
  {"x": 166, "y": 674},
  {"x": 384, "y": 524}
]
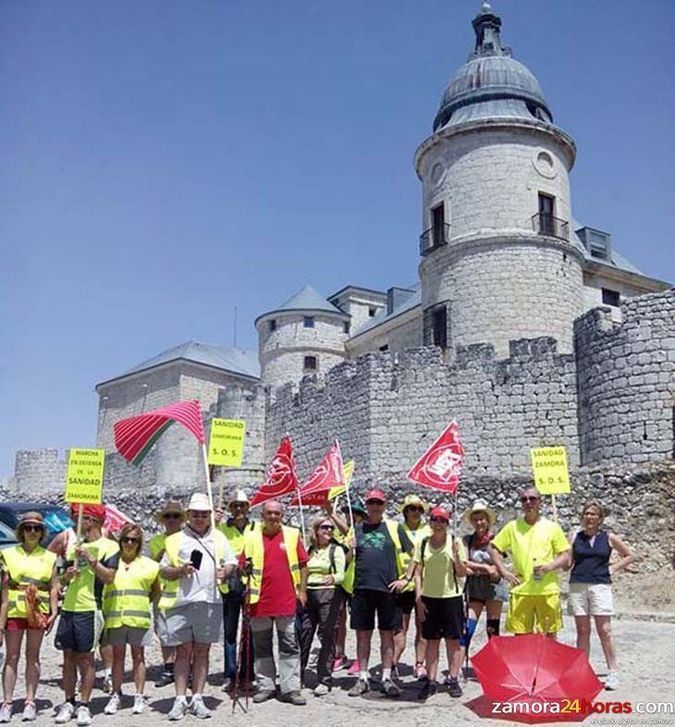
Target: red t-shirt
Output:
[{"x": 277, "y": 592}]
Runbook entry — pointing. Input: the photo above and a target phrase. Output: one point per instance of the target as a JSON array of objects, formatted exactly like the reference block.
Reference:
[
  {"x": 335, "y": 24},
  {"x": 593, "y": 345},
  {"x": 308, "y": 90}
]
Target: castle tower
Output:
[
  {"x": 499, "y": 260},
  {"x": 304, "y": 336}
]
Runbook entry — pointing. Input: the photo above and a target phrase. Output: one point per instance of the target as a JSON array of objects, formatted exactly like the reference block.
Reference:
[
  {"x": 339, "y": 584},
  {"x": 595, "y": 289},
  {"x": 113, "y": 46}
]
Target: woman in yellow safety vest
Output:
[
  {"x": 127, "y": 613},
  {"x": 30, "y": 599}
]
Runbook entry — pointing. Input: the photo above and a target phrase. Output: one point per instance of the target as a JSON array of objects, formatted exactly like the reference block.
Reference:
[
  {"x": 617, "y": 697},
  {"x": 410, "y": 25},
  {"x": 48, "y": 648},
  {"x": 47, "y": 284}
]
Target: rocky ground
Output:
[{"x": 647, "y": 675}]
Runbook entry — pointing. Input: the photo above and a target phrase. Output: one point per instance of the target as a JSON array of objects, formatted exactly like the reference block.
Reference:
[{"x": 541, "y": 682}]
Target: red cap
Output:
[
  {"x": 375, "y": 494},
  {"x": 94, "y": 511},
  {"x": 440, "y": 512}
]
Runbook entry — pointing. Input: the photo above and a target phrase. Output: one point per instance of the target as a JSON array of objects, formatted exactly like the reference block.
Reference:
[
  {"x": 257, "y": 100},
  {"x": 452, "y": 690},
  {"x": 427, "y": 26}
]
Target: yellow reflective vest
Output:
[
  {"x": 126, "y": 601},
  {"x": 414, "y": 536},
  {"x": 236, "y": 538},
  {"x": 24, "y": 569},
  {"x": 255, "y": 550},
  {"x": 172, "y": 548},
  {"x": 350, "y": 573}
]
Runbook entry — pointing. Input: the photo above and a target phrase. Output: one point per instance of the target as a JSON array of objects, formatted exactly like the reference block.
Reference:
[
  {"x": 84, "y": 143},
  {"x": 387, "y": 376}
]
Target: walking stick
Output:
[{"x": 244, "y": 650}]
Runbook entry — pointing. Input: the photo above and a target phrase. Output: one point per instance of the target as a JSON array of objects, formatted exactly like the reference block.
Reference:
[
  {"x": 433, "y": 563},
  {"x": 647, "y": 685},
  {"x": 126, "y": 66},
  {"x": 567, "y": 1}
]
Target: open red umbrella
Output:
[{"x": 547, "y": 680}]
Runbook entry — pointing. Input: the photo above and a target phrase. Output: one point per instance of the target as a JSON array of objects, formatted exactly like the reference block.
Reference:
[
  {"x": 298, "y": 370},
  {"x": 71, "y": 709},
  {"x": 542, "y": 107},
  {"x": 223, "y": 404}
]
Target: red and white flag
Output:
[
  {"x": 114, "y": 519},
  {"x": 329, "y": 474},
  {"x": 441, "y": 465},
  {"x": 281, "y": 477}
]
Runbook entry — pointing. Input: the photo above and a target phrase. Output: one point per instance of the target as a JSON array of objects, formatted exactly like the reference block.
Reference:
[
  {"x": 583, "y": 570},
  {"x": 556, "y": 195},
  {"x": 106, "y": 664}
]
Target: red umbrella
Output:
[{"x": 552, "y": 681}]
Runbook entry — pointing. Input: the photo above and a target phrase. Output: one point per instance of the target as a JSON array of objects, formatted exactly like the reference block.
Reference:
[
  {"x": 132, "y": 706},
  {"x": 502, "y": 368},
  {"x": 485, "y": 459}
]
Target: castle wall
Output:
[
  {"x": 37, "y": 470},
  {"x": 627, "y": 380}
]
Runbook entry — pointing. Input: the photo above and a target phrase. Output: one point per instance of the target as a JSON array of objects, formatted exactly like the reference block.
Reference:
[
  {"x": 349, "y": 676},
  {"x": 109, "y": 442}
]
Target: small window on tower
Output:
[
  {"x": 438, "y": 225},
  {"x": 611, "y": 297},
  {"x": 273, "y": 325},
  {"x": 372, "y": 310},
  {"x": 384, "y": 348},
  {"x": 346, "y": 326},
  {"x": 440, "y": 327},
  {"x": 311, "y": 364},
  {"x": 308, "y": 322}
]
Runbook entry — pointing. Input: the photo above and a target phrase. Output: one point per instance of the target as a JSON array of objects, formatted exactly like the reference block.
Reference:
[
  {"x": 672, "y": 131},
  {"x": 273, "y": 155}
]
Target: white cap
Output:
[{"x": 199, "y": 501}]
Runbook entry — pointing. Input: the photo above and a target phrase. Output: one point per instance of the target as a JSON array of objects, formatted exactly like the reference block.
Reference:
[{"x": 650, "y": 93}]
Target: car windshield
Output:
[{"x": 56, "y": 519}]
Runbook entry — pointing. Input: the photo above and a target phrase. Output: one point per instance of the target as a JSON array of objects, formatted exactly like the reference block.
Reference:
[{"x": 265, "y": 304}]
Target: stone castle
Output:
[{"x": 526, "y": 326}]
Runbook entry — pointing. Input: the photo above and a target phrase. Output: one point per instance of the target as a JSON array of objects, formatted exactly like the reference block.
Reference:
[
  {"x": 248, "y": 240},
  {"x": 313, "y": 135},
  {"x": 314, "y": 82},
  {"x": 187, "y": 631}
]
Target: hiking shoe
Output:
[
  {"x": 113, "y": 705},
  {"x": 321, "y": 690},
  {"x": 428, "y": 690},
  {"x": 199, "y": 709},
  {"x": 454, "y": 690},
  {"x": 29, "y": 712},
  {"x": 390, "y": 689},
  {"x": 83, "y": 716},
  {"x": 165, "y": 678},
  {"x": 179, "y": 709},
  {"x": 139, "y": 704},
  {"x": 295, "y": 697},
  {"x": 612, "y": 680},
  {"x": 65, "y": 713},
  {"x": 359, "y": 689},
  {"x": 354, "y": 667},
  {"x": 264, "y": 695},
  {"x": 6, "y": 712}
]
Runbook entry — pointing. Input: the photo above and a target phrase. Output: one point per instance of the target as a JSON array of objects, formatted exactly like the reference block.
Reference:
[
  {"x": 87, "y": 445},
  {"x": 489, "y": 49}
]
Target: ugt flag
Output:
[
  {"x": 328, "y": 475},
  {"x": 440, "y": 466},
  {"x": 281, "y": 477}
]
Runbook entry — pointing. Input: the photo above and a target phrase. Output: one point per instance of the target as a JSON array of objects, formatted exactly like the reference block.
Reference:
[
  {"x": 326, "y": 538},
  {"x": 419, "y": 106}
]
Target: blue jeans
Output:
[{"x": 232, "y": 603}]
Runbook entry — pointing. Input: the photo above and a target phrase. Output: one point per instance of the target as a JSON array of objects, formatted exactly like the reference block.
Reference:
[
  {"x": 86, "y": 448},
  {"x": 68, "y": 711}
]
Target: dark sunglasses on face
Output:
[
  {"x": 439, "y": 520},
  {"x": 530, "y": 498},
  {"x": 374, "y": 502},
  {"x": 130, "y": 541},
  {"x": 326, "y": 527},
  {"x": 171, "y": 515},
  {"x": 414, "y": 509},
  {"x": 33, "y": 528}
]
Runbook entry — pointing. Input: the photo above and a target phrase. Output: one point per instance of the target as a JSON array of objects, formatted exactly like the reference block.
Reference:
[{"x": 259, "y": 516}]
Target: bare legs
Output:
[
  {"x": 603, "y": 626},
  {"x": 196, "y": 654}
]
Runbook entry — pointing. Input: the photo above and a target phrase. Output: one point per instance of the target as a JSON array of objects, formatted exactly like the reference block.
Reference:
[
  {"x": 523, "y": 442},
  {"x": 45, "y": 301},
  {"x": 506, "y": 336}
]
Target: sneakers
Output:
[
  {"x": 179, "y": 709},
  {"x": 354, "y": 667},
  {"x": 420, "y": 672},
  {"x": 359, "y": 689},
  {"x": 6, "y": 712},
  {"x": 65, "y": 713},
  {"x": 428, "y": 690},
  {"x": 612, "y": 680},
  {"x": 340, "y": 662},
  {"x": 295, "y": 697},
  {"x": 139, "y": 704},
  {"x": 321, "y": 690},
  {"x": 454, "y": 690},
  {"x": 390, "y": 689},
  {"x": 106, "y": 684},
  {"x": 113, "y": 705},
  {"x": 29, "y": 712},
  {"x": 83, "y": 716},
  {"x": 199, "y": 709},
  {"x": 263, "y": 696},
  {"x": 165, "y": 678}
]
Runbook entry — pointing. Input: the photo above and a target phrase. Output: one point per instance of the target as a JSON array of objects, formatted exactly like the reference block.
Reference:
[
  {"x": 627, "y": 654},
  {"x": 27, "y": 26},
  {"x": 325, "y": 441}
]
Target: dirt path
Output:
[{"x": 646, "y": 653}]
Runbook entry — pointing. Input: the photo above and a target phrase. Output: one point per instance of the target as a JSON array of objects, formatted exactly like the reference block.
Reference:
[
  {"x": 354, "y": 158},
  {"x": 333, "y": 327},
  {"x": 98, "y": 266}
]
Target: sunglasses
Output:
[
  {"x": 33, "y": 528},
  {"x": 171, "y": 515},
  {"x": 374, "y": 502},
  {"x": 439, "y": 520},
  {"x": 238, "y": 504},
  {"x": 129, "y": 541},
  {"x": 326, "y": 527},
  {"x": 530, "y": 498},
  {"x": 414, "y": 508}
]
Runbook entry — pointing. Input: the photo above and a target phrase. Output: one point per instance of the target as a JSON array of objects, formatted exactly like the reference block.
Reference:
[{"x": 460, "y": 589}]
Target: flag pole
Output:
[
  {"x": 349, "y": 508},
  {"x": 302, "y": 517},
  {"x": 555, "y": 508},
  {"x": 79, "y": 523},
  {"x": 221, "y": 488},
  {"x": 209, "y": 491}
]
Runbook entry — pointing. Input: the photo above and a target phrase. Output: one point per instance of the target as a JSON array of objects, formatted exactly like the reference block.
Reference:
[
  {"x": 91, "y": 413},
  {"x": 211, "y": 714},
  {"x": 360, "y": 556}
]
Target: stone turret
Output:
[
  {"x": 499, "y": 260},
  {"x": 303, "y": 337}
]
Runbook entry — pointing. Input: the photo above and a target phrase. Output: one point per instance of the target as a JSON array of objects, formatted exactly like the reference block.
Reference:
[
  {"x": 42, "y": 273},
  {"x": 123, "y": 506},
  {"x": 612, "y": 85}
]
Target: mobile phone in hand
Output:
[{"x": 196, "y": 559}]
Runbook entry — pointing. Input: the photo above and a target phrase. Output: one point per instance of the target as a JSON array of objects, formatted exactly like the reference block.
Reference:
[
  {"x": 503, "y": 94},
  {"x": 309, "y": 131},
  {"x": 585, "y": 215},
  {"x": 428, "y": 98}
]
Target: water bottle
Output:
[{"x": 535, "y": 576}]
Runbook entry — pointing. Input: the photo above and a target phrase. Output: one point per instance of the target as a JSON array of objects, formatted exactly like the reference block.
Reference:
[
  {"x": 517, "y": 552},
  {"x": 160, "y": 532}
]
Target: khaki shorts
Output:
[
  {"x": 199, "y": 622},
  {"x": 534, "y": 614},
  {"x": 590, "y": 599},
  {"x": 125, "y": 635}
]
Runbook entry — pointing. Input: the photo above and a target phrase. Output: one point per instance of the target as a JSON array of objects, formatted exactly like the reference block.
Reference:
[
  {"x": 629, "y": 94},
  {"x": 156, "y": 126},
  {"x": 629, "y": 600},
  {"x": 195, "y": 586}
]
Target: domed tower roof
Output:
[{"x": 491, "y": 84}]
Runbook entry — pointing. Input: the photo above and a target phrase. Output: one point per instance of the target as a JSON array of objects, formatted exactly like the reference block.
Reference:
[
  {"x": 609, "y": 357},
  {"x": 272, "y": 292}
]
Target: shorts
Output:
[
  {"x": 406, "y": 601},
  {"x": 444, "y": 619},
  {"x": 534, "y": 614},
  {"x": 79, "y": 631},
  {"x": 366, "y": 602},
  {"x": 198, "y": 622},
  {"x": 159, "y": 625},
  {"x": 125, "y": 635},
  {"x": 590, "y": 599},
  {"x": 19, "y": 624}
]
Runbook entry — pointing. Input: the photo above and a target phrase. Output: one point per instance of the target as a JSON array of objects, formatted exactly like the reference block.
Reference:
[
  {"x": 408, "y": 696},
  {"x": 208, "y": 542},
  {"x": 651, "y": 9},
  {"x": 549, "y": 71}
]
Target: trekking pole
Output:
[{"x": 244, "y": 649}]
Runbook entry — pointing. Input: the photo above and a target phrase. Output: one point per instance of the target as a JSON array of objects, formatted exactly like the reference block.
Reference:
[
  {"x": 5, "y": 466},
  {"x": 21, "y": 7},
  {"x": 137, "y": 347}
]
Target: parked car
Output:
[
  {"x": 6, "y": 537},
  {"x": 56, "y": 518}
]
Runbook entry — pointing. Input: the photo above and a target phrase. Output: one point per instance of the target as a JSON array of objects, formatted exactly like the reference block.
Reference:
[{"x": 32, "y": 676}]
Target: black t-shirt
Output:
[{"x": 376, "y": 556}]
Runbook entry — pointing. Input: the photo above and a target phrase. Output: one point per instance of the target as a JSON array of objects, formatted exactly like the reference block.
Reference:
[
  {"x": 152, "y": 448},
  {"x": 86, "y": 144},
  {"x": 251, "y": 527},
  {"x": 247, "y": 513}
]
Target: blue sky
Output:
[{"x": 164, "y": 162}]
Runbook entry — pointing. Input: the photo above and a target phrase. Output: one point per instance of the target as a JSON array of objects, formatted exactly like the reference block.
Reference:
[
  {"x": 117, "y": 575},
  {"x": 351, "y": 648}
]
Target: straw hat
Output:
[
  {"x": 479, "y": 505},
  {"x": 171, "y": 507},
  {"x": 29, "y": 518},
  {"x": 413, "y": 501},
  {"x": 239, "y": 496}
]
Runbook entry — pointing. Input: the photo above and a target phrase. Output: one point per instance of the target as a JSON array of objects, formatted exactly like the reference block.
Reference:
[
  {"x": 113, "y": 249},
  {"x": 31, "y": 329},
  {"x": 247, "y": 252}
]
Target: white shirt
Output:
[{"x": 201, "y": 586}]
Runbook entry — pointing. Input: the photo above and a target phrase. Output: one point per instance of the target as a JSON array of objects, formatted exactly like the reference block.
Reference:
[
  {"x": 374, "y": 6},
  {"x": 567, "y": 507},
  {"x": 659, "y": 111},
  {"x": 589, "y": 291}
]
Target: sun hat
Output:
[
  {"x": 479, "y": 505},
  {"x": 239, "y": 496},
  {"x": 29, "y": 518},
  {"x": 171, "y": 507},
  {"x": 440, "y": 512},
  {"x": 199, "y": 501},
  {"x": 411, "y": 500},
  {"x": 375, "y": 494}
]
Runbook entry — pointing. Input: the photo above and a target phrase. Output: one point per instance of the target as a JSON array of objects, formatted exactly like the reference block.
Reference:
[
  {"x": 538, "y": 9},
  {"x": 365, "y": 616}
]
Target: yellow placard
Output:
[
  {"x": 84, "y": 477},
  {"x": 226, "y": 443},
  {"x": 348, "y": 470},
  {"x": 549, "y": 465}
]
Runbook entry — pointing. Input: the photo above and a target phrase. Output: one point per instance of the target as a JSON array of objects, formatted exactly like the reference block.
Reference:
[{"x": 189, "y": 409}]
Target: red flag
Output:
[
  {"x": 281, "y": 477},
  {"x": 114, "y": 519},
  {"x": 327, "y": 475},
  {"x": 440, "y": 466},
  {"x": 135, "y": 436}
]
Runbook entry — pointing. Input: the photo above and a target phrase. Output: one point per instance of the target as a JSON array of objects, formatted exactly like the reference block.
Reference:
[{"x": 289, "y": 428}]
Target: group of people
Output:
[{"x": 212, "y": 575}]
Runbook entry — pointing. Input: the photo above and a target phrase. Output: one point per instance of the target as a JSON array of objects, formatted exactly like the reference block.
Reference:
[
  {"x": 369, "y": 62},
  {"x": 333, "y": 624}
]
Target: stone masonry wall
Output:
[
  {"x": 38, "y": 469},
  {"x": 627, "y": 381}
]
